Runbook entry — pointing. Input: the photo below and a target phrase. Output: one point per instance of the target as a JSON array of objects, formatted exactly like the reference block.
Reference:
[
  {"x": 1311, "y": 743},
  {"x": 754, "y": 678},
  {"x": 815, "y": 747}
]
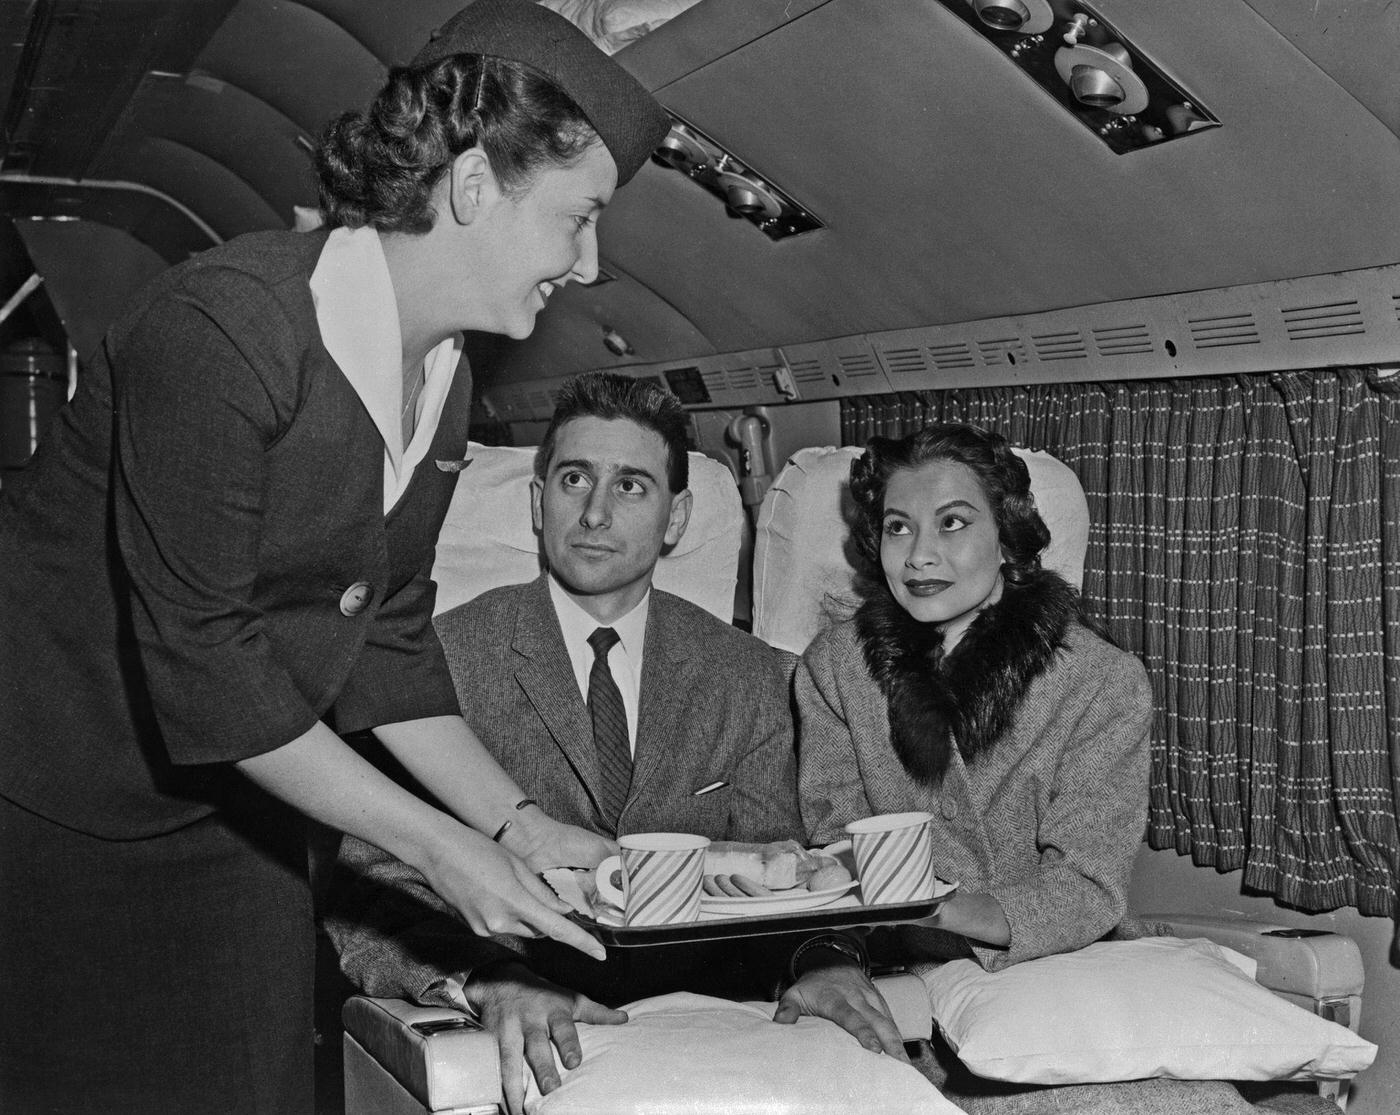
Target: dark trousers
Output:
[{"x": 169, "y": 974}]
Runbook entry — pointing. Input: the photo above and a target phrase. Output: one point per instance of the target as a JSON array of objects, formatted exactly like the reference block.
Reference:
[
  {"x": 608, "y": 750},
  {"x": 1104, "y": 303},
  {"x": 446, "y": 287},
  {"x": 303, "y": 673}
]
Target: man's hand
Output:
[
  {"x": 528, "y": 1015},
  {"x": 846, "y": 996}
]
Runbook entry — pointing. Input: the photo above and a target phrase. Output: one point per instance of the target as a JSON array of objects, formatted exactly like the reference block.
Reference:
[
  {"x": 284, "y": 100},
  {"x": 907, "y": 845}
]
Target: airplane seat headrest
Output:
[
  {"x": 803, "y": 557},
  {"x": 488, "y": 538}
]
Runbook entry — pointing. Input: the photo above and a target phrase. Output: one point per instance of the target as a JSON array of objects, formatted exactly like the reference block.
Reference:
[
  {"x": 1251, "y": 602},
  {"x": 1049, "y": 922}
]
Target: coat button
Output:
[
  {"x": 355, "y": 599},
  {"x": 949, "y": 808}
]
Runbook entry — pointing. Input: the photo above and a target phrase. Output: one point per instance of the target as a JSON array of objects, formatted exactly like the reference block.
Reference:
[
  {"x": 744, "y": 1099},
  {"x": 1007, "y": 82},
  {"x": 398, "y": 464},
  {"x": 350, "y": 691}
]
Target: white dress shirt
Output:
[
  {"x": 625, "y": 658},
  {"x": 358, "y": 317}
]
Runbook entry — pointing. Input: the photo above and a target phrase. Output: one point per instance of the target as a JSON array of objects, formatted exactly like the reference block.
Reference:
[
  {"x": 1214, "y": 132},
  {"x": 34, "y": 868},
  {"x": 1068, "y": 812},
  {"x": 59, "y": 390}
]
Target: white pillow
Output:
[
  {"x": 686, "y": 1053},
  {"x": 1126, "y": 1010}
]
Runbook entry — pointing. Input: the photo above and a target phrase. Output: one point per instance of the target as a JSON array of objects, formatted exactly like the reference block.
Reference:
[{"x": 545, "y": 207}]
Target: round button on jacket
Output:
[
  {"x": 949, "y": 808},
  {"x": 356, "y": 598}
]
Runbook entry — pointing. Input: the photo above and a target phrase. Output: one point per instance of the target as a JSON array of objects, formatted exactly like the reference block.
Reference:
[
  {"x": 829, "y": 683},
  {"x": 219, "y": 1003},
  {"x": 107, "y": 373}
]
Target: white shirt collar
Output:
[
  {"x": 357, "y": 315},
  {"x": 624, "y": 660}
]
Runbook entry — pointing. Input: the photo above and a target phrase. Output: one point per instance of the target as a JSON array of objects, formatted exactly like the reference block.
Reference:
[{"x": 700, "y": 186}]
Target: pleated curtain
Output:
[{"x": 1245, "y": 543}]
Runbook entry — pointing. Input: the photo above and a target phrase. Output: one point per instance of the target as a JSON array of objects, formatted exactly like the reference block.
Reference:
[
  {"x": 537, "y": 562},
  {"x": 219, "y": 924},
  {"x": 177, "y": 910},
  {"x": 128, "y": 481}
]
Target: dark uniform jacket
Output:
[{"x": 197, "y": 566}]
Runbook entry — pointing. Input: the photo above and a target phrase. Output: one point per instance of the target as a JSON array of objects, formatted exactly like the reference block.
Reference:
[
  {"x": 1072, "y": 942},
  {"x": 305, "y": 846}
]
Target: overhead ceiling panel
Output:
[
  {"x": 1355, "y": 42},
  {"x": 81, "y": 62},
  {"x": 250, "y": 140},
  {"x": 953, "y": 188},
  {"x": 304, "y": 64}
]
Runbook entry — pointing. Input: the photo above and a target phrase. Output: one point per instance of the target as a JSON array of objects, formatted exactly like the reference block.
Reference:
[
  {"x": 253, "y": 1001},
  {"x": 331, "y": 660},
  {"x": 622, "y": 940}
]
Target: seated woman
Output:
[{"x": 968, "y": 684}]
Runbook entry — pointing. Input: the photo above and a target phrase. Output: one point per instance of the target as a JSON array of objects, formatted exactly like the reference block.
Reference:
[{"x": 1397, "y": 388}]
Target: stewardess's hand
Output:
[
  {"x": 542, "y": 842},
  {"x": 493, "y": 891}
]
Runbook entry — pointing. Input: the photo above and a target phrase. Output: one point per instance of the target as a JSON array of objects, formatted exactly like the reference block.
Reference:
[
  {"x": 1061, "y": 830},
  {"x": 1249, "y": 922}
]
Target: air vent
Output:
[
  {"x": 904, "y": 361},
  {"x": 950, "y": 356},
  {"x": 1002, "y": 350},
  {"x": 540, "y": 400},
  {"x": 858, "y": 364},
  {"x": 1059, "y": 346},
  {"x": 1338, "y": 319},
  {"x": 807, "y": 371},
  {"x": 1091, "y": 68},
  {"x": 1223, "y": 332},
  {"x": 742, "y": 379},
  {"x": 1123, "y": 340},
  {"x": 743, "y": 192}
]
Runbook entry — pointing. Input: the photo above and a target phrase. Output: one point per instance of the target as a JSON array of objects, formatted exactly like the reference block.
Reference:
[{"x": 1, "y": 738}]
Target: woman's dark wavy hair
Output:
[
  {"x": 379, "y": 167},
  {"x": 1003, "y": 476}
]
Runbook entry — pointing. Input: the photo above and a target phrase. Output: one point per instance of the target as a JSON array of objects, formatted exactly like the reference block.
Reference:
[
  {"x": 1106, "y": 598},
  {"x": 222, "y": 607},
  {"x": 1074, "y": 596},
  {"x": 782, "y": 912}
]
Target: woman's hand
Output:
[
  {"x": 977, "y": 916},
  {"x": 530, "y": 1016},
  {"x": 542, "y": 842},
  {"x": 494, "y": 891},
  {"x": 845, "y": 995}
]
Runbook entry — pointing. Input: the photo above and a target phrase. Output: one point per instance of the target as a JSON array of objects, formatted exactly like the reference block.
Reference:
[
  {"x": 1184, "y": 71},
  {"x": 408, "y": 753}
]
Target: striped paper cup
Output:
[
  {"x": 662, "y": 876},
  {"x": 894, "y": 857}
]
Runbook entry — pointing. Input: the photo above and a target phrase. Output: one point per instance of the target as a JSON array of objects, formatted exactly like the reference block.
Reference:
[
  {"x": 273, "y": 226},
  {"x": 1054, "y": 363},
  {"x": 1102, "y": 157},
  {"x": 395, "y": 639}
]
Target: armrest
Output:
[
  {"x": 435, "y": 1055},
  {"x": 1320, "y": 971},
  {"x": 1314, "y": 969}
]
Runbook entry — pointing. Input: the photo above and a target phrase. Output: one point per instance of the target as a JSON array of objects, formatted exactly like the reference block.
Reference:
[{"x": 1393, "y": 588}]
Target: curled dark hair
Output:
[
  {"x": 379, "y": 167},
  {"x": 1003, "y": 476},
  {"x": 609, "y": 395}
]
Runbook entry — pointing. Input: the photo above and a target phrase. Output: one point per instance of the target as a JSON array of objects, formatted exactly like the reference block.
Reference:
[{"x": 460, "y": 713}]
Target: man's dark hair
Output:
[{"x": 608, "y": 395}]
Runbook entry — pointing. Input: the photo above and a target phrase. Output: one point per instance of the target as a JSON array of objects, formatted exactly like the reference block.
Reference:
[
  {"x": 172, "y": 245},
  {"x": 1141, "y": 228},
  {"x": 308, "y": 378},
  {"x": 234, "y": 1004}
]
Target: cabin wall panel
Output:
[{"x": 1335, "y": 320}]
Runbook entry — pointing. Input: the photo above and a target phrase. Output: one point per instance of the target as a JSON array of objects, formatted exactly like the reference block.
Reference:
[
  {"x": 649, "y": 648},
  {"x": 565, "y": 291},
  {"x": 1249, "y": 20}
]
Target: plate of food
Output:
[
  {"x": 777, "y": 902},
  {"x": 752, "y": 880}
]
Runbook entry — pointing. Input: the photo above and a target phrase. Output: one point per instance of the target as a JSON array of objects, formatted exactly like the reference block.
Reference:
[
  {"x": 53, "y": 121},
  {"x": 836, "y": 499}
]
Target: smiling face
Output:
[
  {"x": 605, "y": 512},
  {"x": 541, "y": 239},
  {"x": 939, "y": 546}
]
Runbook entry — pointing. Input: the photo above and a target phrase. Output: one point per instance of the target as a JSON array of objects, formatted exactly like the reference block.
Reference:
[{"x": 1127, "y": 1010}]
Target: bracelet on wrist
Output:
[
  {"x": 519, "y": 805},
  {"x": 843, "y": 945}
]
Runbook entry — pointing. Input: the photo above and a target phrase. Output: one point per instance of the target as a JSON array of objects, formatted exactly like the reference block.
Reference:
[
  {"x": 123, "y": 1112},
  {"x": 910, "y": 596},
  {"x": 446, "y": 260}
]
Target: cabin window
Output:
[{"x": 1245, "y": 542}]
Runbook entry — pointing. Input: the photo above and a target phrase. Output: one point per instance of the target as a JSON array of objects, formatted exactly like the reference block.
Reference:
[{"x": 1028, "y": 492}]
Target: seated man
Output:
[{"x": 540, "y": 670}]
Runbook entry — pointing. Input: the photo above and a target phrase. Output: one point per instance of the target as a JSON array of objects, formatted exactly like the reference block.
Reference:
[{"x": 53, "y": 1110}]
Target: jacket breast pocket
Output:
[{"x": 706, "y": 809}]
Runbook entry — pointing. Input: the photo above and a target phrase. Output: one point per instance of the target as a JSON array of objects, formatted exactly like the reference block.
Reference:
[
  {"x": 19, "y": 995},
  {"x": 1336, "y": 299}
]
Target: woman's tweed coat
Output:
[{"x": 1048, "y": 821}]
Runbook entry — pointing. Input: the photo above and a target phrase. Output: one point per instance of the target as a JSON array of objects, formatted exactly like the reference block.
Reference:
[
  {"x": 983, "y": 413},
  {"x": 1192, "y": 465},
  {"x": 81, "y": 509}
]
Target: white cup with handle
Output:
[{"x": 662, "y": 877}]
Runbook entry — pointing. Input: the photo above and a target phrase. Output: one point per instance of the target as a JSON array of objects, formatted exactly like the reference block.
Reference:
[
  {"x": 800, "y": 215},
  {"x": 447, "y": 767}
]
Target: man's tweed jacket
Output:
[{"x": 715, "y": 707}]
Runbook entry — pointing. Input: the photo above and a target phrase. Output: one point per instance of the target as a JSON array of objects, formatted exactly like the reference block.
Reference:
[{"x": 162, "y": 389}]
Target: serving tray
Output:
[{"x": 843, "y": 914}]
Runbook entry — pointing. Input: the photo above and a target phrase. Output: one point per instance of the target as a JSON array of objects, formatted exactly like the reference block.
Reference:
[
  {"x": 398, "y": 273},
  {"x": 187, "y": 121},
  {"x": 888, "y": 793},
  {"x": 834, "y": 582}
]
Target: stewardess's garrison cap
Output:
[{"x": 626, "y": 117}]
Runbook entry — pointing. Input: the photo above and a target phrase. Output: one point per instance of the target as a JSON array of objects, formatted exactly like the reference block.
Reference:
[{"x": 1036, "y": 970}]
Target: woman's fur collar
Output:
[{"x": 972, "y": 695}]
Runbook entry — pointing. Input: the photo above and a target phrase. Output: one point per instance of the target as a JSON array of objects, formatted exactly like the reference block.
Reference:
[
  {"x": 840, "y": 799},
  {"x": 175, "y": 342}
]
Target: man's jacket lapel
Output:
[{"x": 547, "y": 679}]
